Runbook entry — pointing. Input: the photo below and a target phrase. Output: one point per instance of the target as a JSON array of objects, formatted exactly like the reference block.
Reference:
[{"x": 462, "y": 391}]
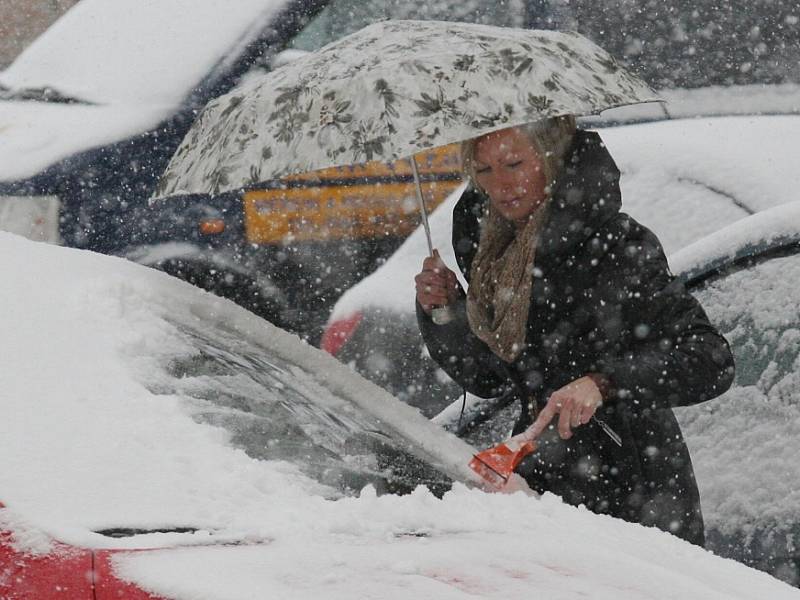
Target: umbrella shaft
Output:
[{"x": 421, "y": 202}]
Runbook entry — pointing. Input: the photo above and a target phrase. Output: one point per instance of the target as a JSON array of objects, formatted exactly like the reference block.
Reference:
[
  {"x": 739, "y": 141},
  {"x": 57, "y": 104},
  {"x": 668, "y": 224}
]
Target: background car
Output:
[
  {"x": 161, "y": 442},
  {"x": 84, "y": 141}
]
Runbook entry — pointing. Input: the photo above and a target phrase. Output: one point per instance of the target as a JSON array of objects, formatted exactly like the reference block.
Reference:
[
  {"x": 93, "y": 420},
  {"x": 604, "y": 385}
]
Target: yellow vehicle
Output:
[{"x": 370, "y": 201}]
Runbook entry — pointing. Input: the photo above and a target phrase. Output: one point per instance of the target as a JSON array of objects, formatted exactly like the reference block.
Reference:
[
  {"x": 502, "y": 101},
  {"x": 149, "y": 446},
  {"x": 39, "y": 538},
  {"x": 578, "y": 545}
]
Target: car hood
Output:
[
  {"x": 36, "y": 135},
  {"x": 469, "y": 544}
]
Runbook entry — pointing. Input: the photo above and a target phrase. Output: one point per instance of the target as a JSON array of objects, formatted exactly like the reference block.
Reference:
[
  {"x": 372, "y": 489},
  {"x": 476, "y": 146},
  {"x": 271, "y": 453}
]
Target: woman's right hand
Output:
[{"x": 436, "y": 284}]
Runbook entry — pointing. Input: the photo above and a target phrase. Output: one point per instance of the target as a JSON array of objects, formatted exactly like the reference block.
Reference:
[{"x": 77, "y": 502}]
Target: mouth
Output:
[{"x": 511, "y": 202}]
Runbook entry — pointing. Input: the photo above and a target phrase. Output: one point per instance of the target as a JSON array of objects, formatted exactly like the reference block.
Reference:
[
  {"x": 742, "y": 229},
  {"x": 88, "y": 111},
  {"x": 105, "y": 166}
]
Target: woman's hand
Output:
[
  {"x": 575, "y": 405},
  {"x": 436, "y": 284}
]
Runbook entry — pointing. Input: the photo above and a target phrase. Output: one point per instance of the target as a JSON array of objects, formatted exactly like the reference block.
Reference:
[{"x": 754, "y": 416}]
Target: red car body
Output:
[{"x": 65, "y": 573}]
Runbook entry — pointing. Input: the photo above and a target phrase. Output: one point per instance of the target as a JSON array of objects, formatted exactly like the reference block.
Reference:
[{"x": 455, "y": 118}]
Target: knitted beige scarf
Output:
[{"x": 499, "y": 294}]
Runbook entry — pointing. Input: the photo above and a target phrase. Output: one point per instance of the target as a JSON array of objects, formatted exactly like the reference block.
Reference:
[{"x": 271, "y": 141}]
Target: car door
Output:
[{"x": 745, "y": 444}]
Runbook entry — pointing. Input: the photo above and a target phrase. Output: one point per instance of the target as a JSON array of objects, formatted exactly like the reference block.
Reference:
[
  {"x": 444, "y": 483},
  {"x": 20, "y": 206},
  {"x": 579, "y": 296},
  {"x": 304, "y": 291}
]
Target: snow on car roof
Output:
[
  {"x": 135, "y": 61},
  {"x": 134, "y": 51},
  {"x": 684, "y": 179},
  {"x": 775, "y": 226}
]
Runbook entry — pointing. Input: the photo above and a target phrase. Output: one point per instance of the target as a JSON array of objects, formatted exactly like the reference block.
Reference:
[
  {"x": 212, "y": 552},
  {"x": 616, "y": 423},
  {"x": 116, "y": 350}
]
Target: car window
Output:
[
  {"x": 275, "y": 410},
  {"x": 756, "y": 308},
  {"x": 744, "y": 443},
  {"x": 342, "y": 17}
]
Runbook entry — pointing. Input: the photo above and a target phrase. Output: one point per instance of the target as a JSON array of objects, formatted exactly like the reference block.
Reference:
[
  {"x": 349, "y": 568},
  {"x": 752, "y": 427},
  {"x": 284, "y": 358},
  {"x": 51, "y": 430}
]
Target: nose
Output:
[{"x": 505, "y": 184}]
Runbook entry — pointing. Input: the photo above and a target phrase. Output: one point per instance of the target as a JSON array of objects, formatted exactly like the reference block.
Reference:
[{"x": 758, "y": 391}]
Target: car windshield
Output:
[
  {"x": 275, "y": 409},
  {"x": 342, "y": 17}
]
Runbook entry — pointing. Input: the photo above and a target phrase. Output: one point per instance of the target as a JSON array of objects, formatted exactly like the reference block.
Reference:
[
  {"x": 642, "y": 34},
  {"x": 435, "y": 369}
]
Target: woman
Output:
[{"x": 572, "y": 307}]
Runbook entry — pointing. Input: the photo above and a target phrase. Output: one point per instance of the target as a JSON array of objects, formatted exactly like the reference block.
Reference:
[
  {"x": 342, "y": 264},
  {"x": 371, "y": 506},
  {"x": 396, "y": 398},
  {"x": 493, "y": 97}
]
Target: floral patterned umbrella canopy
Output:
[{"x": 391, "y": 90}]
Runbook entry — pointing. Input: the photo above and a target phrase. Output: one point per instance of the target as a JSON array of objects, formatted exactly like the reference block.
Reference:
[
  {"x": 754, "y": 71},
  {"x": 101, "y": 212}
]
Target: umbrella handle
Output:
[
  {"x": 441, "y": 315},
  {"x": 421, "y": 203}
]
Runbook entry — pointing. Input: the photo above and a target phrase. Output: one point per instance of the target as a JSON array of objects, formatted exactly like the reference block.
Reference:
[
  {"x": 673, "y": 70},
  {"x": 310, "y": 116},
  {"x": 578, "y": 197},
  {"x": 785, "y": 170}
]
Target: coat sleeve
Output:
[
  {"x": 668, "y": 354},
  {"x": 461, "y": 354}
]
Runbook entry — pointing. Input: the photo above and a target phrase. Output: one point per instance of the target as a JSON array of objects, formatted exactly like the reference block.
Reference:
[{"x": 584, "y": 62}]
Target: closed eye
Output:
[
  {"x": 514, "y": 164},
  {"x": 481, "y": 170}
]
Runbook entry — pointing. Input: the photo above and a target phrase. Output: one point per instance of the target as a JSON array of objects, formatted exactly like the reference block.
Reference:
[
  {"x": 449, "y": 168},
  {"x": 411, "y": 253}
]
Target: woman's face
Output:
[{"x": 511, "y": 172}]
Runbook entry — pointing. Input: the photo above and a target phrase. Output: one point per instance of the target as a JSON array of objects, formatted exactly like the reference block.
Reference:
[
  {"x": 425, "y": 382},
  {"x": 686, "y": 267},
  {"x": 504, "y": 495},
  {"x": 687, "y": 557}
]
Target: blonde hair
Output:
[{"x": 550, "y": 137}]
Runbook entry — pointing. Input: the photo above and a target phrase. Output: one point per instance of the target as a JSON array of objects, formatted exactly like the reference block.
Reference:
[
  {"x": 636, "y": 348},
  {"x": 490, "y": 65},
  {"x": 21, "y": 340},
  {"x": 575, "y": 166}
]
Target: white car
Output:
[{"x": 160, "y": 442}]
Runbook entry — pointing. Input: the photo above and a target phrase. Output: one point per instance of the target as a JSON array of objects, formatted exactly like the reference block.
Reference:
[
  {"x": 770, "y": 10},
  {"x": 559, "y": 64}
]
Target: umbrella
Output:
[{"x": 389, "y": 91}]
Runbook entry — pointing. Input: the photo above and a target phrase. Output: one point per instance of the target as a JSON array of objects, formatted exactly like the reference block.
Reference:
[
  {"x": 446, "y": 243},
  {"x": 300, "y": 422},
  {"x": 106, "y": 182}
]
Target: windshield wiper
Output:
[
  {"x": 123, "y": 532},
  {"x": 42, "y": 94}
]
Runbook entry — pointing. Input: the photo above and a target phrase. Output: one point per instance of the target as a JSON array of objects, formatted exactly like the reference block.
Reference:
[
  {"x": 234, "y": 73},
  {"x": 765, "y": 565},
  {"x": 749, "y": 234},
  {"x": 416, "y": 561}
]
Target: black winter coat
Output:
[{"x": 603, "y": 301}]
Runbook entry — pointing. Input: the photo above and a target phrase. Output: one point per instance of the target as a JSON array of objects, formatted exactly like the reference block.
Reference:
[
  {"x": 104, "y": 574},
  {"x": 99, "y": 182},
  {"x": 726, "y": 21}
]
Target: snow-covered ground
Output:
[{"x": 91, "y": 439}]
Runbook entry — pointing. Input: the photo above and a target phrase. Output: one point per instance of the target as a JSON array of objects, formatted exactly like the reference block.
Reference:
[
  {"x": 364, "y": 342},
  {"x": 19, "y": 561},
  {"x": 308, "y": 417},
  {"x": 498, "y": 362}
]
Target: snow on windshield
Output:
[
  {"x": 86, "y": 407},
  {"x": 136, "y": 51},
  {"x": 86, "y": 445}
]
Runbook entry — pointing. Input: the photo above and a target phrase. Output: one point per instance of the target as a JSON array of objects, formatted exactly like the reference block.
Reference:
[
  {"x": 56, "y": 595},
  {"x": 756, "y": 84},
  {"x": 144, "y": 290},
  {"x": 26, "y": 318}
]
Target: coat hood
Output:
[{"x": 585, "y": 197}]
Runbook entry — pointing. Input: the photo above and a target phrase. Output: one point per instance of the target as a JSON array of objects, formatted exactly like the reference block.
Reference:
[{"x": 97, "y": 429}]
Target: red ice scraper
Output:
[{"x": 497, "y": 464}]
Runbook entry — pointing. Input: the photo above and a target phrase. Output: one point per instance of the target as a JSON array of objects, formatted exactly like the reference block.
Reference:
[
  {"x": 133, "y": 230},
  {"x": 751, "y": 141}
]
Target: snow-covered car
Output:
[
  {"x": 683, "y": 178},
  {"x": 92, "y": 110},
  {"x": 160, "y": 442},
  {"x": 744, "y": 444}
]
